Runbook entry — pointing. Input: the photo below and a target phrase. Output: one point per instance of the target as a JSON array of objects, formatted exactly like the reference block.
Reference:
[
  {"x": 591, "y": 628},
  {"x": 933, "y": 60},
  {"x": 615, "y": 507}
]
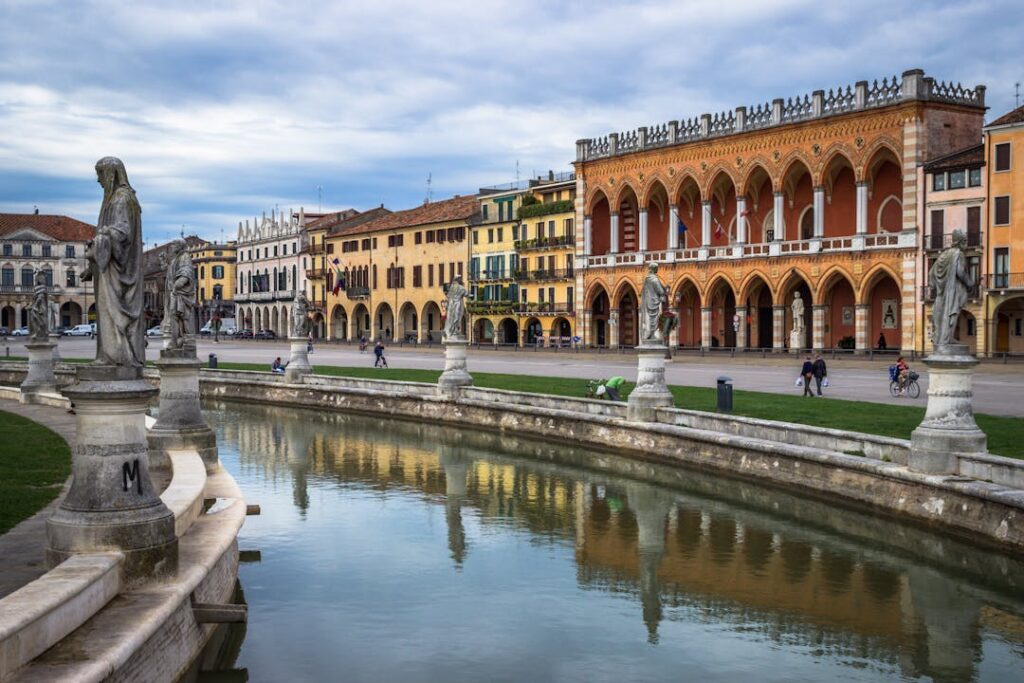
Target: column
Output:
[
  {"x": 778, "y": 215},
  {"x": 614, "y": 248},
  {"x": 705, "y": 224},
  {"x": 819, "y": 212},
  {"x": 741, "y": 331},
  {"x": 862, "y": 313},
  {"x": 588, "y": 240},
  {"x": 741, "y": 220},
  {"x": 862, "y": 208},
  {"x": 673, "y": 226},
  {"x": 778, "y": 328},
  {"x": 819, "y": 312},
  {"x": 705, "y": 327},
  {"x": 643, "y": 230}
]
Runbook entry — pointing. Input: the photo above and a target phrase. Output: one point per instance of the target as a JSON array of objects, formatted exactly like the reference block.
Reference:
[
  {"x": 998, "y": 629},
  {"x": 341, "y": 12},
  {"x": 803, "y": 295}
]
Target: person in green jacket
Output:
[{"x": 613, "y": 387}]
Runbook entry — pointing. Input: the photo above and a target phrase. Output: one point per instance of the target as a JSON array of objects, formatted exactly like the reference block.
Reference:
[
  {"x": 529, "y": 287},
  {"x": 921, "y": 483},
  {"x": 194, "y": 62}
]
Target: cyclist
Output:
[{"x": 902, "y": 373}]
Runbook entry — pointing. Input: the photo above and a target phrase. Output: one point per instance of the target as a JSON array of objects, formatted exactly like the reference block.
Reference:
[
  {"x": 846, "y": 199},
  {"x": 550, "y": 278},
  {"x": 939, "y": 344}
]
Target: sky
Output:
[{"x": 224, "y": 110}]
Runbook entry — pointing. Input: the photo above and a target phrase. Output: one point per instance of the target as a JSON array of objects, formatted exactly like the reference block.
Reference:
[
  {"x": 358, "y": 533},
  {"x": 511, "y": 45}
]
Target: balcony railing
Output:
[
  {"x": 316, "y": 273},
  {"x": 1005, "y": 281},
  {"x": 357, "y": 293},
  {"x": 27, "y": 289},
  {"x": 490, "y": 275},
  {"x": 279, "y": 295},
  {"x": 315, "y": 249},
  {"x": 937, "y": 240},
  {"x": 497, "y": 307},
  {"x": 545, "y": 242},
  {"x": 543, "y": 274},
  {"x": 547, "y": 307}
]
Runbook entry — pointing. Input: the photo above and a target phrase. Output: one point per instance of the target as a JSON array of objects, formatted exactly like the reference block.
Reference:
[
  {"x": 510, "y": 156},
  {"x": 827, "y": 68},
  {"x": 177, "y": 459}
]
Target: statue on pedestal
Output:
[
  {"x": 798, "y": 313},
  {"x": 39, "y": 310},
  {"x": 652, "y": 298},
  {"x": 301, "y": 324},
  {"x": 455, "y": 296},
  {"x": 54, "y": 316},
  {"x": 950, "y": 282},
  {"x": 181, "y": 296},
  {"x": 115, "y": 259}
]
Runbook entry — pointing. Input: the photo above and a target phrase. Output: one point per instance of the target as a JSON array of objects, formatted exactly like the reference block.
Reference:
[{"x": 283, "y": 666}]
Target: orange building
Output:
[{"x": 742, "y": 210}]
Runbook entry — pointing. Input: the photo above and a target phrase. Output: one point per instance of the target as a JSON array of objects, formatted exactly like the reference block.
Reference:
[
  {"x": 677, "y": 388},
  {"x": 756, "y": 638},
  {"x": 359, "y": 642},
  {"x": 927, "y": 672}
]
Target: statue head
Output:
[
  {"x": 458, "y": 278},
  {"x": 110, "y": 174},
  {"x": 796, "y": 295},
  {"x": 652, "y": 268},
  {"x": 177, "y": 248},
  {"x": 959, "y": 239},
  {"x": 40, "y": 277}
]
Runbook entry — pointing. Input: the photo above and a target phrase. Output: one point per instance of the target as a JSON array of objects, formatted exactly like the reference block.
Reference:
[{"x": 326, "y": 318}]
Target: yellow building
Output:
[
  {"x": 215, "y": 280},
  {"x": 393, "y": 268},
  {"x": 1004, "y": 242},
  {"x": 314, "y": 264},
  {"x": 493, "y": 266}
]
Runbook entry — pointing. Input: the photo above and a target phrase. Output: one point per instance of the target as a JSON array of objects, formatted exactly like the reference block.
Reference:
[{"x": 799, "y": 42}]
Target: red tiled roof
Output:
[
  {"x": 330, "y": 219},
  {"x": 1015, "y": 116},
  {"x": 62, "y": 228},
  {"x": 454, "y": 209},
  {"x": 969, "y": 157},
  {"x": 355, "y": 221}
]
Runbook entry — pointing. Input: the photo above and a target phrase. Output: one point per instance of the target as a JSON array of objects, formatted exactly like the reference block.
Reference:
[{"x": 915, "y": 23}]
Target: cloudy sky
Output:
[{"x": 222, "y": 110}]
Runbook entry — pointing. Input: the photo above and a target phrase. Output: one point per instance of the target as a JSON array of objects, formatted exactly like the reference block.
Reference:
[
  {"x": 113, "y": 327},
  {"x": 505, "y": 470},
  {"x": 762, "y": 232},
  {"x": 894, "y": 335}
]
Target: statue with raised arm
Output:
[
  {"x": 652, "y": 297},
  {"x": 181, "y": 296},
  {"x": 39, "y": 310},
  {"x": 798, "y": 312},
  {"x": 950, "y": 282},
  {"x": 455, "y": 295},
  {"x": 301, "y": 324},
  {"x": 115, "y": 267}
]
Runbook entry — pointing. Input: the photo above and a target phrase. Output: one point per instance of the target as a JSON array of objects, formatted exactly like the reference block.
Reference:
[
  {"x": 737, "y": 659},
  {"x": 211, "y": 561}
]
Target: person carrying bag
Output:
[{"x": 806, "y": 372}]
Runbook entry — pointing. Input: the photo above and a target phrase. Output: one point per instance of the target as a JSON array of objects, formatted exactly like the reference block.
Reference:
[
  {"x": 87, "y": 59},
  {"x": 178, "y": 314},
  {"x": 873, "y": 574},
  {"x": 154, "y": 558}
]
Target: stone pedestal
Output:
[
  {"x": 797, "y": 340},
  {"x": 40, "y": 379},
  {"x": 180, "y": 423},
  {"x": 54, "y": 338},
  {"x": 455, "y": 374},
  {"x": 651, "y": 391},
  {"x": 298, "y": 362},
  {"x": 112, "y": 504},
  {"x": 948, "y": 428}
]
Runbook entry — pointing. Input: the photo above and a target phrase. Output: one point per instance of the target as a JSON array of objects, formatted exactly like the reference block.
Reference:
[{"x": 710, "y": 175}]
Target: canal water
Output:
[{"x": 393, "y": 551}]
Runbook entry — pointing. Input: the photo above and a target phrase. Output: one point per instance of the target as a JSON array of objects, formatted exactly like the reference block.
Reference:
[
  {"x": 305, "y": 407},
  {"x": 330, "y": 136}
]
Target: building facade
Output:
[
  {"x": 743, "y": 210},
  {"x": 495, "y": 308},
  {"x": 1004, "y": 240},
  {"x": 267, "y": 266},
  {"x": 215, "y": 277},
  {"x": 54, "y": 245}
]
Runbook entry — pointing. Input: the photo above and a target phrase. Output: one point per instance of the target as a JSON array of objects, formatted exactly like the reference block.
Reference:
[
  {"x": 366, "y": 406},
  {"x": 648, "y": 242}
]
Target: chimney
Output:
[{"x": 36, "y": 210}]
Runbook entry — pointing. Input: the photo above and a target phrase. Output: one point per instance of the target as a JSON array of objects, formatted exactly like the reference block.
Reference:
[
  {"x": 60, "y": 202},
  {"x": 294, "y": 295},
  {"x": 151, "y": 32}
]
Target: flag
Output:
[{"x": 339, "y": 277}]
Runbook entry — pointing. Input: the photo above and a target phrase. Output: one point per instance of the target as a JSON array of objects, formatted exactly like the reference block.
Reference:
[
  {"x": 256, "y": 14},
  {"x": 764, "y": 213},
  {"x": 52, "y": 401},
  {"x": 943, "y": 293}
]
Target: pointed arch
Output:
[
  {"x": 880, "y": 149},
  {"x": 835, "y": 154},
  {"x": 621, "y": 288},
  {"x": 755, "y": 177},
  {"x": 593, "y": 291},
  {"x": 650, "y": 186},
  {"x": 751, "y": 281},
  {"x": 871, "y": 278},
  {"x": 593, "y": 196}
]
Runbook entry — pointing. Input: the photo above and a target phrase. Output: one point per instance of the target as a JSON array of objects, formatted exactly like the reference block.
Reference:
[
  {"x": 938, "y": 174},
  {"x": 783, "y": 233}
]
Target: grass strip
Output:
[{"x": 34, "y": 462}]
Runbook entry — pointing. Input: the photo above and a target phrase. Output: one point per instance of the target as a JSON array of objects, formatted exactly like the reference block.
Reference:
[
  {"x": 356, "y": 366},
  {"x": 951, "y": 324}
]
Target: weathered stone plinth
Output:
[
  {"x": 180, "y": 423},
  {"x": 797, "y": 340},
  {"x": 56, "y": 348},
  {"x": 455, "y": 374},
  {"x": 40, "y": 379},
  {"x": 112, "y": 504},
  {"x": 948, "y": 428},
  {"x": 298, "y": 362},
  {"x": 651, "y": 391}
]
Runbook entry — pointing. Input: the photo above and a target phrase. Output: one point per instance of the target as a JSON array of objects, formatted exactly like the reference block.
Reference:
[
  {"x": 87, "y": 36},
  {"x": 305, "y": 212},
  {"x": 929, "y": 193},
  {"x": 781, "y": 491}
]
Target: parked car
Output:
[
  {"x": 243, "y": 334},
  {"x": 154, "y": 332},
  {"x": 83, "y": 330},
  {"x": 20, "y": 332},
  {"x": 266, "y": 334},
  {"x": 4, "y": 331}
]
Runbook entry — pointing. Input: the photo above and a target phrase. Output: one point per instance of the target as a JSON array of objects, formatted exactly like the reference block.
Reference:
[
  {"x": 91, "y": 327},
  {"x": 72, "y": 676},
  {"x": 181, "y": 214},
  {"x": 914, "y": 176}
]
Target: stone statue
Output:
[
  {"x": 455, "y": 295},
  {"x": 181, "y": 296},
  {"x": 39, "y": 310},
  {"x": 115, "y": 260},
  {"x": 652, "y": 297},
  {"x": 950, "y": 282},
  {"x": 301, "y": 324},
  {"x": 798, "y": 312},
  {"x": 54, "y": 316}
]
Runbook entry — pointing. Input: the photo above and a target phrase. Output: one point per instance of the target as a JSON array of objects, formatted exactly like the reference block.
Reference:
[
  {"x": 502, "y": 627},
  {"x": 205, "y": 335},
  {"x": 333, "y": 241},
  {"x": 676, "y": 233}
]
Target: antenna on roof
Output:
[
  {"x": 517, "y": 173},
  {"x": 430, "y": 192},
  {"x": 1016, "y": 87},
  {"x": 36, "y": 208},
  {"x": 182, "y": 231}
]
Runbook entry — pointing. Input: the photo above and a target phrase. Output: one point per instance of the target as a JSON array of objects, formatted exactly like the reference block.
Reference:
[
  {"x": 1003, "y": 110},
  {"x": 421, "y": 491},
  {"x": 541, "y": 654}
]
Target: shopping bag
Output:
[
  {"x": 799, "y": 382},
  {"x": 824, "y": 382}
]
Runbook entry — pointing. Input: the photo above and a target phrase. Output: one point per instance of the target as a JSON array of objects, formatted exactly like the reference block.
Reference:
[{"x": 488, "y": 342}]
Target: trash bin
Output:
[
  {"x": 213, "y": 361},
  {"x": 725, "y": 394}
]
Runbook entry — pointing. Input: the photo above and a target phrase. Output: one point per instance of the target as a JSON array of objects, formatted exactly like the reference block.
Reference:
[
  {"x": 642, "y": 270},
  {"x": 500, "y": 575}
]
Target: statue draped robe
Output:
[
  {"x": 948, "y": 279},
  {"x": 651, "y": 298},
  {"x": 39, "y": 313},
  {"x": 181, "y": 295},
  {"x": 456, "y": 310},
  {"x": 115, "y": 267}
]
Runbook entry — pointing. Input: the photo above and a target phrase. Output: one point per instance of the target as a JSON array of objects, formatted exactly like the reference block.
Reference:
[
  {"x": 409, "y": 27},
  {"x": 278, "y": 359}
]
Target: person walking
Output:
[
  {"x": 820, "y": 372},
  {"x": 309, "y": 344},
  {"x": 806, "y": 373},
  {"x": 378, "y": 351},
  {"x": 362, "y": 344}
]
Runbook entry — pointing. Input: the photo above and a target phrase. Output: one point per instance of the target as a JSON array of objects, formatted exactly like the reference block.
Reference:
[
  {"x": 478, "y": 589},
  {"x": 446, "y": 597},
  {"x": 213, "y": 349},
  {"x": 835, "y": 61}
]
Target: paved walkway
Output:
[{"x": 23, "y": 548}]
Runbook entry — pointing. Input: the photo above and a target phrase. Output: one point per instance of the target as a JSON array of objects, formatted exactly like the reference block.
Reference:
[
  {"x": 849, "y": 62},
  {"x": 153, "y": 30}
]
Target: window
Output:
[
  {"x": 295, "y": 248},
  {"x": 375, "y": 276},
  {"x": 275, "y": 250},
  {"x": 957, "y": 180},
  {"x": 440, "y": 235},
  {"x": 396, "y": 240},
  {"x": 218, "y": 292},
  {"x": 973, "y": 226},
  {"x": 1002, "y": 267},
  {"x": 515, "y": 232},
  {"x": 366, "y": 244},
  {"x": 460, "y": 268},
  {"x": 522, "y": 293},
  {"x": 540, "y": 231},
  {"x": 430, "y": 274},
  {"x": 417, "y": 276},
  {"x": 202, "y": 272},
  {"x": 974, "y": 268},
  {"x": 501, "y": 211},
  {"x": 568, "y": 227},
  {"x": 69, "y": 278},
  {"x": 7, "y": 277},
  {"x": 26, "y": 250},
  {"x": 46, "y": 251},
  {"x": 974, "y": 177},
  {"x": 540, "y": 295},
  {"x": 330, "y": 247},
  {"x": 501, "y": 234},
  {"x": 1001, "y": 210},
  {"x": 939, "y": 182},
  {"x": 430, "y": 236},
  {"x": 1002, "y": 157},
  {"x": 476, "y": 237},
  {"x": 26, "y": 277},
  {"x": 484, "y": 207},
  {"x": 374, "y": 242},
  {"x": 971, "y": 331},
  {"x": 490, "y": 235},
  {"x": 451, "y": 272},
  {"x": 8, "y": 249},
  {"x": 938, "y": 228},
  {"x": 551, "y": 229},
  {"x": 218, "y": 272}
]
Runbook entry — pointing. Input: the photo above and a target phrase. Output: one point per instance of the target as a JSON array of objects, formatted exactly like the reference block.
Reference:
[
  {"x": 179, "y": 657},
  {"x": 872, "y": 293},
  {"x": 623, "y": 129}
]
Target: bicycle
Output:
[
  {"x": 592, "y": 387},
  {"x": 911, "y": 388}
]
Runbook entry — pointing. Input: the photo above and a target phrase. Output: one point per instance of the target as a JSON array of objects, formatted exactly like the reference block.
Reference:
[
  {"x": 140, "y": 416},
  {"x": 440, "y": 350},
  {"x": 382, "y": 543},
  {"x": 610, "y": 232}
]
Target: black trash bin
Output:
[
  {"x": 725, "y": 394},
  {"x": 213, "y": 361}
]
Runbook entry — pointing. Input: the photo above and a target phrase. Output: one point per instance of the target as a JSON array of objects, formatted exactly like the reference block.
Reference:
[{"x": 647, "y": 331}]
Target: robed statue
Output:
[
  {"x": 652, "y": 298},
  {"x": 950, "y": 283},
  {"x": 181, "y": 296},
  {"x": 115, "y": 259},
  {"x": 39, "y": 310},
  {"x": 455, "y": 296},
  {"x": 798, "y": 312},
  {"x": 301, "y": 324}
]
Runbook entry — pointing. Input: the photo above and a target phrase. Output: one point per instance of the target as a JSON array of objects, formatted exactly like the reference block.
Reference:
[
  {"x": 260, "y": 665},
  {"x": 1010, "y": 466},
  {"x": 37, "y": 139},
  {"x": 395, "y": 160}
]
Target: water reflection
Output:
[{"x": 823, "y": 585}]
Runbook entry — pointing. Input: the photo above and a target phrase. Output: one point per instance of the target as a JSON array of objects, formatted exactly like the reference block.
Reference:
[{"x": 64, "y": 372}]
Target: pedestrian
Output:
[
  {"x": 387, "y": 333},
  {"x": 362, "y": 344},
  {"x": 613, "y": 387},
  {"x": 309, "y": 344},
  {"x": 820, "y": 373},
  {"x": 378, "y": 351},
  {"x": 276, "y": 366},
  {"x": 882, "y": 346},
  {"x": 806, "y": 373}
]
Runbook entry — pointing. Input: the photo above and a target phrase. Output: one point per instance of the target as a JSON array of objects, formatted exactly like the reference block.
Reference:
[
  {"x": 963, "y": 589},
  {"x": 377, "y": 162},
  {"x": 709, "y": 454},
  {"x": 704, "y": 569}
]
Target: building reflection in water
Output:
[{"x": 758, "y": 559}]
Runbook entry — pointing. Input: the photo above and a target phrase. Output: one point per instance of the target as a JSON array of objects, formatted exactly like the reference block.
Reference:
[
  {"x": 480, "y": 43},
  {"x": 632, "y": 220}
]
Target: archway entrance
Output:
[
  {"x": 534, "y": 332},
  {"x": 840, "y": 323},
  {"x": 599, "y": 309},
  {"x": 7, "y": 317},
  {"x": 885, "y": 302},
  {"x": 360, "y": 322},
  {"x": 1009, "y": 326},
  {"x": 385, "y": 323},
  {"x": 794, "y": 285},
  {"x": 688, "y": 299},
  {"x": 561, "y": 332},
  {"x": 483, "y": 331},
  {"x": 339, "y": 323},
  {"x": 759, "y": 314},
  {"x": 508, "y": 331},
  {"x": 628, "y": 333},
  {"x": 408, "y": 319},
  {"x": 70, "y": 314},
  {"x": 430, "y": 321}
]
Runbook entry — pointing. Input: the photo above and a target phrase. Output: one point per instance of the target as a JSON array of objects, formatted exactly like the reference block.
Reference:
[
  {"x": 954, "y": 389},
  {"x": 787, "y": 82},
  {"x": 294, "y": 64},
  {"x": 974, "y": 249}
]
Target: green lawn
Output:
[
  {"x": 34, "y": 463},
  {"x": 1005, "y": 434}
]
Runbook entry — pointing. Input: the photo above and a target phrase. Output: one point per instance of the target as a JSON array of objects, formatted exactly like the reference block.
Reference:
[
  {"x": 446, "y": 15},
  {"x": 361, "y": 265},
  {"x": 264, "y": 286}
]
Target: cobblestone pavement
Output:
[{"x": 23, "y": 548}]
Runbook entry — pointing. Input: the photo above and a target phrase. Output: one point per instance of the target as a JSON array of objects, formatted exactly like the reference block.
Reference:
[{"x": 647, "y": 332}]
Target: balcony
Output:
[
  {"x": 26, "y": 289},
  {"x": 1005, "y": 281},
  {"x": 280, "y": 295},
  {"x": 316, "y": 273},
  {"x": 491, "y": 275},
  {"x": 543, "y": 274},
  {"x": 315, "y": 249},
  {"x": 938, "y": 241},
  {"x": 534, "y": 307},
  {"x": 546, "y": 243},
  {"x": 496, "y": 307},
  {"x": 357, "y": 293}
]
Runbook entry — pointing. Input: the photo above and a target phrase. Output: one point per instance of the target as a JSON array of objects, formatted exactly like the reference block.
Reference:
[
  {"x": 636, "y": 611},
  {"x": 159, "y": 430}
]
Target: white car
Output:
[
  {"x": 84, "y": 330},
  {"x": 20, "y": 332},
  {"x": 154, "y": 332}
]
